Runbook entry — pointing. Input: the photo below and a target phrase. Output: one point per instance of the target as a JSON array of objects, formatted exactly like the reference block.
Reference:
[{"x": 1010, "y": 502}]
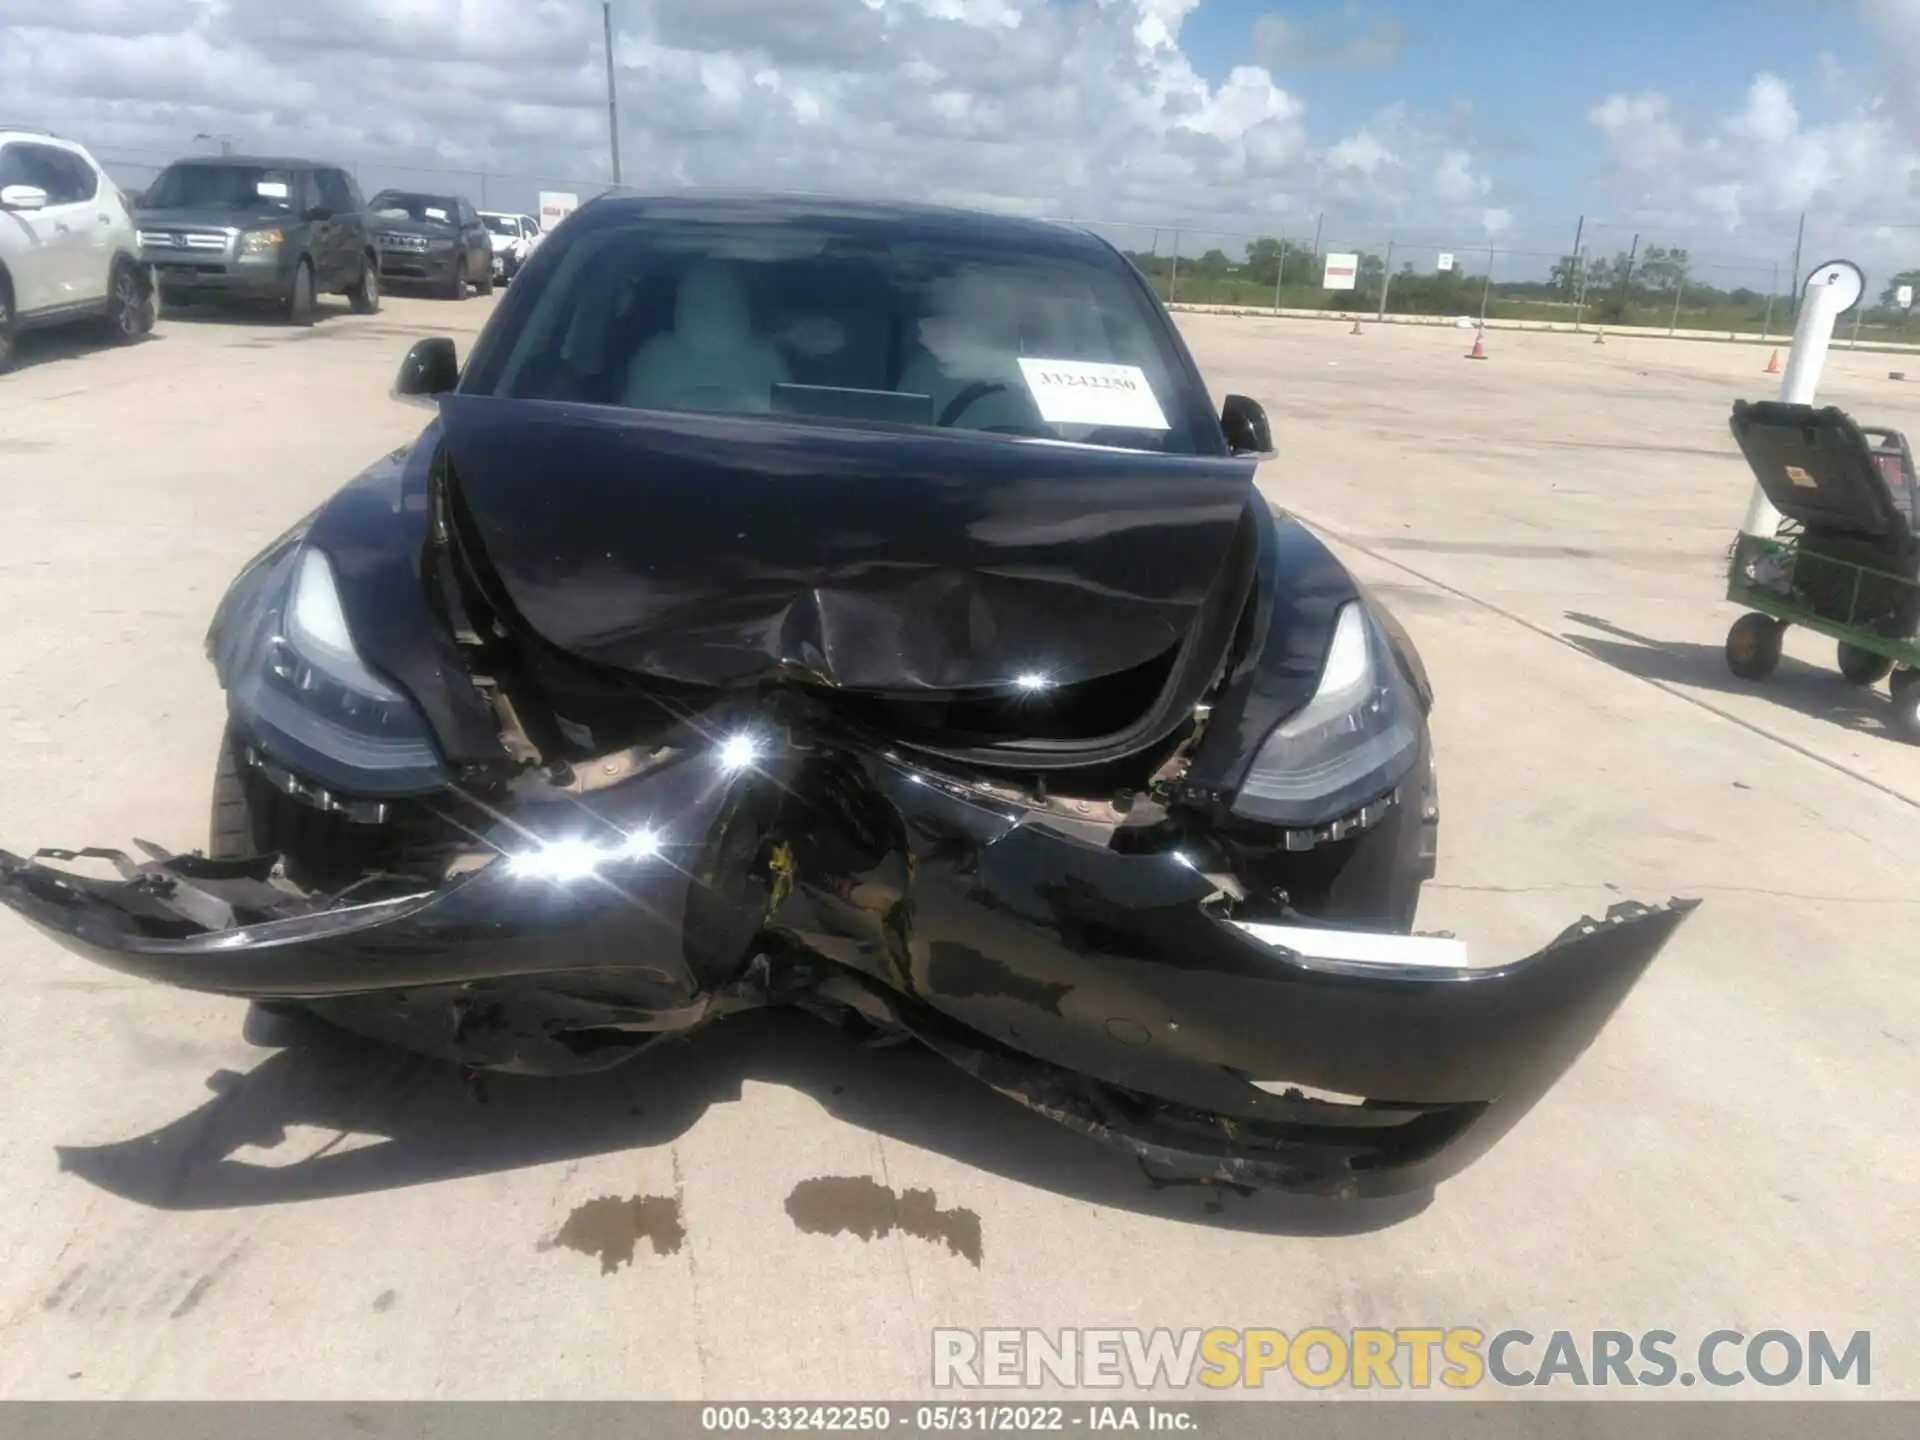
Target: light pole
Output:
[{"x": 613, "y": 103}]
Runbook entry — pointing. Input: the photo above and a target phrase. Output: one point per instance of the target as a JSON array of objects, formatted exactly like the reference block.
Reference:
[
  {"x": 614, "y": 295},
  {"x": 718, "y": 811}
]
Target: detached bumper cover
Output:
[{"x": 1109, "y": 991}]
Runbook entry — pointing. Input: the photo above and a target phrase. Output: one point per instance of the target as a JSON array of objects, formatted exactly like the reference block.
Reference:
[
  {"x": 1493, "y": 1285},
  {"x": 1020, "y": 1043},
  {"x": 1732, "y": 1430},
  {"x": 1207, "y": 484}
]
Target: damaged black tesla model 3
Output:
[{"x": 862, "y": 609}]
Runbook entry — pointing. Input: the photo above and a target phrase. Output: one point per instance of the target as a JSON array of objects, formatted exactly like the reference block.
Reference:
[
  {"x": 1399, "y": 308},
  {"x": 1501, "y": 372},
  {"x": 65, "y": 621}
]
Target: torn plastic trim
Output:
[
  {"x": 360, "y": 812},
  {"x": 984, "y": 924}
]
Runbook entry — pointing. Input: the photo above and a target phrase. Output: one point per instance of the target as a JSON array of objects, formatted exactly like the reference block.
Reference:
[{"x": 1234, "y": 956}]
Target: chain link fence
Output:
[{"x": 1588, "y": 274}]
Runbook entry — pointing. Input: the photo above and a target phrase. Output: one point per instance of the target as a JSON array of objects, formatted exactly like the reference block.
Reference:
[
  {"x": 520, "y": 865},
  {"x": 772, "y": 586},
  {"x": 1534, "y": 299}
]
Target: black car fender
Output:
[
  {"x": 1298, "y": 590},
  {"x": 374, "y": 532}
]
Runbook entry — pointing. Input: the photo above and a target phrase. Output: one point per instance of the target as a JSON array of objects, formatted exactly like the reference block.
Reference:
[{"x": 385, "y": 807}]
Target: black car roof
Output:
[
  {"x": 892, "y": 218},
  {"x": 265, "y": 162}
]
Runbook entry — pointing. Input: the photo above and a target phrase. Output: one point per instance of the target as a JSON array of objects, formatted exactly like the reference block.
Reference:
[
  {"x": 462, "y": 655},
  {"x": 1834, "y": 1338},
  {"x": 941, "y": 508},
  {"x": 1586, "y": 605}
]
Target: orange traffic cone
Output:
[
  {"x": 1773, "y": 365},
  {"x": 1356, "y": 326},
  {"x": 1479, "y": 350}
]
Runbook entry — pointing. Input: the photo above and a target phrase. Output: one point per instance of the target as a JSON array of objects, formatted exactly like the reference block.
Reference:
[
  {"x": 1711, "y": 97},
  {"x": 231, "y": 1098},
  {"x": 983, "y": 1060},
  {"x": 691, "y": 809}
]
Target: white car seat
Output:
[{"x": 711, "y": 359}]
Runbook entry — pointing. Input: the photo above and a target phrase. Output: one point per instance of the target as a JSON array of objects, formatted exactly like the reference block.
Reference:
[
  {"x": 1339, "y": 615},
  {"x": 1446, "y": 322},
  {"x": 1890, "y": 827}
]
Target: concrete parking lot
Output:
[{"x": 187, "y": 1216}]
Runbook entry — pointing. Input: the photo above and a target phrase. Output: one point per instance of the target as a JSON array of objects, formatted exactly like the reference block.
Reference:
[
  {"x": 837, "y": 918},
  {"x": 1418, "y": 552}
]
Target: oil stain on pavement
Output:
[
  {"x": 856, "y": 1205},
  {"x": 611, "y": 1229}
]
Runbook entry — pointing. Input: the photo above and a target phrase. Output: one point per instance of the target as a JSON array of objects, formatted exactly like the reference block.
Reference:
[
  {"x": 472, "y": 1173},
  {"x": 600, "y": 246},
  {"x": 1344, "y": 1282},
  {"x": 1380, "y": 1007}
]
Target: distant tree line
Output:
[{"x": 1611, "y": 288}]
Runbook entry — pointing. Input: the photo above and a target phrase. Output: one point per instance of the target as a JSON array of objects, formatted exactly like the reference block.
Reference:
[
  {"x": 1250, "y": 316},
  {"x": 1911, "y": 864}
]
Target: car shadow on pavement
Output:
[
  {"x": 34, "y": 348},
  {"x": 434, "y": 1125},
  {"x": 1808, "y": 689},
  {"x": 248, "y": 312}
]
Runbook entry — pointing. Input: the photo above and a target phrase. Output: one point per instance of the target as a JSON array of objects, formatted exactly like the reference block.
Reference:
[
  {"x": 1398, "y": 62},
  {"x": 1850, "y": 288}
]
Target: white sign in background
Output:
[
  {"x": 1080, "y": 392},
  {"x": 555, "y": 206},
  {"x": 1446, "y": 260},
  {"x": 1343, "y": 273},
  {"x": 1905, "y": 296}
]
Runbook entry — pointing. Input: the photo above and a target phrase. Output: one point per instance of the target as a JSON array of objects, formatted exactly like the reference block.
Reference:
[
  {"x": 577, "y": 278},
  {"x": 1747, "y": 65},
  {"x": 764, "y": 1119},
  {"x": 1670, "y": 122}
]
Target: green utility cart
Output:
[{"x": 1846, "y": 559}]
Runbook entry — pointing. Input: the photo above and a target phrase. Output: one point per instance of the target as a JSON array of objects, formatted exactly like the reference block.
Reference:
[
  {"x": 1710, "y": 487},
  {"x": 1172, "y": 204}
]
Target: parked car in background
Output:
[
  {"x": 514, "y": 237},
  {"x": 68, "y": 252},
  {"x": 436, "y": 240},
  {"x": 234, "y": 227}
]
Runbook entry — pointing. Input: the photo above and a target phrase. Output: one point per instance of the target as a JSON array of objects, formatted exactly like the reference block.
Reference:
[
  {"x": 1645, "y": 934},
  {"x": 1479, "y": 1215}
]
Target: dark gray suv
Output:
[
  {"x": 435, "y": 240},
  {"x": 239, "y": 227}
]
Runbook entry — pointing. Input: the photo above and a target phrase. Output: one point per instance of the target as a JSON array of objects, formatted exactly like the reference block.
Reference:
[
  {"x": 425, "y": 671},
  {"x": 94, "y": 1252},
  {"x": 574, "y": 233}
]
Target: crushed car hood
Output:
[{"x": 717, "y": 550}]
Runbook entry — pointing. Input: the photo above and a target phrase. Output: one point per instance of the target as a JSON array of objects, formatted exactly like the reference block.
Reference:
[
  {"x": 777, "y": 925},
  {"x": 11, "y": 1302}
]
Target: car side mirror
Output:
[
  {"x": 431, "y": 367},
  {"x": 1244, "y": 422},
  {"x": 23, "y": 197}
]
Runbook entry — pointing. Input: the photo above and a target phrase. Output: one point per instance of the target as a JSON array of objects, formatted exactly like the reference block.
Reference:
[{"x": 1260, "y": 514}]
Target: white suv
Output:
[
  {"x": 68, "y": 250},
  {"x": 514, "y": 238}
]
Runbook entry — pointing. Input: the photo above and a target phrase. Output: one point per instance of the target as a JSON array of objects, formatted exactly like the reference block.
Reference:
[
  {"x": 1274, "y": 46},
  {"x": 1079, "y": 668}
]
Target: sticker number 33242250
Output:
[{"x": 1081, "y": 392}]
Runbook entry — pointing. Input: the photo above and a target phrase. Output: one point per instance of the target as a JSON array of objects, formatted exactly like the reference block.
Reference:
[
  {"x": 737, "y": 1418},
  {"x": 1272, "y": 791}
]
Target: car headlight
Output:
[
  {"x": 261, "y": 244},
  {"x": 1355, "y": 740},
  {"x": 300, "y": 687}
]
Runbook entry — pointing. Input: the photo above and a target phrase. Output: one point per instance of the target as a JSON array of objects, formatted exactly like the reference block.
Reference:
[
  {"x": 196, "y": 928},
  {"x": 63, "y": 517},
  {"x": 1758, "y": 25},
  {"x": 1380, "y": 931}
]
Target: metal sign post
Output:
[{"x": 1830, "y": 291}]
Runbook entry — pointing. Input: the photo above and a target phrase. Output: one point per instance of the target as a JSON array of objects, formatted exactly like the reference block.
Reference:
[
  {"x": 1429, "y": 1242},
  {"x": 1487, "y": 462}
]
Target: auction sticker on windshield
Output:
[
  {"x": 1082, "y": 392},
  {"x": 271, "y": 189}
]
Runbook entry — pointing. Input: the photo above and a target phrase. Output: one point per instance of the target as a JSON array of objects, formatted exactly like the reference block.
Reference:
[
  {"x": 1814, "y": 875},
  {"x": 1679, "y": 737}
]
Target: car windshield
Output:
[
  {"x": 850, "y": 326},
  {"x": 248, "y": 189},
  {"x": 502, "y": 225},
  {"x": 402, "y": 205}
]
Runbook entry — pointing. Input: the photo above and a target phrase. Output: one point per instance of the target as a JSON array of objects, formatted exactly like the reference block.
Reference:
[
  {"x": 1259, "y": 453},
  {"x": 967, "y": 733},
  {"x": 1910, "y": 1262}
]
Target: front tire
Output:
[
  {"x": 456, "y": 286},
  {"x": 484, "y": 285},
  {"x": 300, "y": 297},
  {"x": 1753, "y": 646},
  {"x": 130, "y": 305},
  {"x": 1863, "y": 667},
  {"x": 319, "y": 851},
  {"x": 9, "y": 327},
  {"x": 364, "y": 297}
]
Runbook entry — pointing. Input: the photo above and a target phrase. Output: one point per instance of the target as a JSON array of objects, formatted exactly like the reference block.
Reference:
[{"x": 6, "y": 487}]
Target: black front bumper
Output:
[
  {"x": 417, "y": 266},
  {"x": 1114, "y": 992},
  {"x": 212, "y": 280}
]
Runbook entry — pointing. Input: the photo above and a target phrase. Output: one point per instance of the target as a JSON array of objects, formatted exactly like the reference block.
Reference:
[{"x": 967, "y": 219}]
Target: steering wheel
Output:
[{"x": 967, "y": 399}]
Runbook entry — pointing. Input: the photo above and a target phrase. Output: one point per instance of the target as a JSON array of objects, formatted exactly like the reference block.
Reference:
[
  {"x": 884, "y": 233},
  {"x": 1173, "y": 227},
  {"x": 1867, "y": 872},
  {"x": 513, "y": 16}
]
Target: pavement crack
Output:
[{"x": 703, "y": 1356}]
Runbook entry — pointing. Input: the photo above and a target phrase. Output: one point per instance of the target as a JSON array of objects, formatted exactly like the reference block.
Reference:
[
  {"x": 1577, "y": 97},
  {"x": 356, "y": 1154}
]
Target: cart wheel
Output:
[
  {"x": 1906, "y": 704},
  {"x": 1753, "y": 646},
  {"x": 1863, "y": 667}
]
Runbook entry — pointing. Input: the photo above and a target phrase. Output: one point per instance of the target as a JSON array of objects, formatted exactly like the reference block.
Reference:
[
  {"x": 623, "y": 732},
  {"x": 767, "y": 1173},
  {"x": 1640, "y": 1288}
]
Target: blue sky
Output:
[{"x": 1532, "y": 70}]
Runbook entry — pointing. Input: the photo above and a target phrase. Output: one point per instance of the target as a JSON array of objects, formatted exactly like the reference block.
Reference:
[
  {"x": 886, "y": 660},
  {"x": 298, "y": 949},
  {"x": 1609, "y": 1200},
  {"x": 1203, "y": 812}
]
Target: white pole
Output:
[{"x": 1811, "y": 338}]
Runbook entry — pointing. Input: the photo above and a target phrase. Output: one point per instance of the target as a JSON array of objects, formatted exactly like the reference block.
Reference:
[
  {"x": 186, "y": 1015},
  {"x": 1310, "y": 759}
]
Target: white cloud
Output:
[
  {"x": 1641, "y": 131},
  {"x": 1844, "y": 149},
  {"x": 1739, "y": 182},
  {"x": 1090, "y": 108}
]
